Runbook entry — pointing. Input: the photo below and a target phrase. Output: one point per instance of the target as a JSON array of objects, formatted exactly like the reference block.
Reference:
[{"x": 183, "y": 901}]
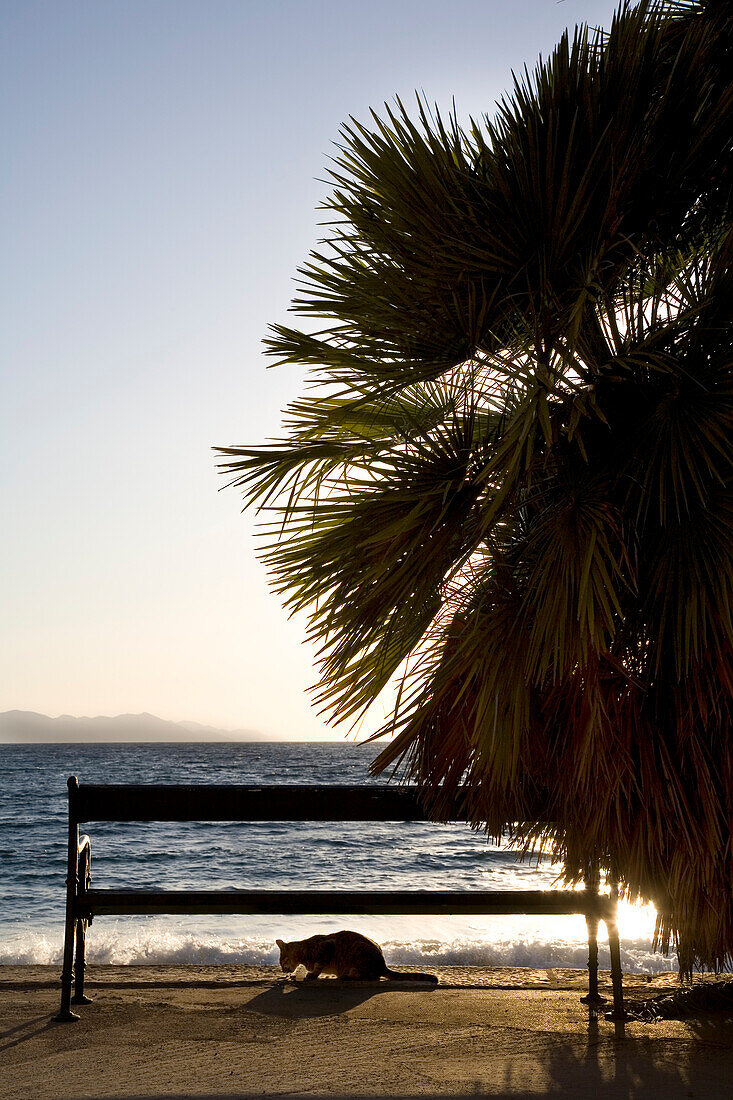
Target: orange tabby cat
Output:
[{"x": 347, "y": 955}]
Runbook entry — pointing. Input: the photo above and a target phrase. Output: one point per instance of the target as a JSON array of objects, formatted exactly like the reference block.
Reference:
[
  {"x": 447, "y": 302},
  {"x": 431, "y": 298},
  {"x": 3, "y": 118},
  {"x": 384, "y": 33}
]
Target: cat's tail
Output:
[{"x": 405, "y": 976}]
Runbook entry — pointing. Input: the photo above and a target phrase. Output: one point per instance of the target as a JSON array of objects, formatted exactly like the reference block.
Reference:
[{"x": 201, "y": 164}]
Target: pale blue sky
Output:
[{"x": 159, "y": 189}]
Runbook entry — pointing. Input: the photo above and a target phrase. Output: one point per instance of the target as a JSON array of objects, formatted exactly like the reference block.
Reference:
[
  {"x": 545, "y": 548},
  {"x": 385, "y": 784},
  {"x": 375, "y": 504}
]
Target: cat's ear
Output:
[{"x": 280, "y": 943}]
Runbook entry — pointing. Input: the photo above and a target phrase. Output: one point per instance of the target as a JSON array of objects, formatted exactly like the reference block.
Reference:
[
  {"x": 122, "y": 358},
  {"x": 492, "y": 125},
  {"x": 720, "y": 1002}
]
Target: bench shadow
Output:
[
  {"x": 96, "y": 985},
  {"x": 44, "y": 1021},
  {"x": 328, "y": 997}
]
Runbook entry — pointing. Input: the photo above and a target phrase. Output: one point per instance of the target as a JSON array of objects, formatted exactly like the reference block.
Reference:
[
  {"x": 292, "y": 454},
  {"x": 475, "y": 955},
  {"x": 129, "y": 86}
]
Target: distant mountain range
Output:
[{"x": 27, "y": 726}]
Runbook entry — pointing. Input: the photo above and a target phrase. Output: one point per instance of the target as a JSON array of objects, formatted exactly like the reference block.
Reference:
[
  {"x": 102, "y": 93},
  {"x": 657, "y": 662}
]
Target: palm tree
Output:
[{"x": 510, "y": 484}]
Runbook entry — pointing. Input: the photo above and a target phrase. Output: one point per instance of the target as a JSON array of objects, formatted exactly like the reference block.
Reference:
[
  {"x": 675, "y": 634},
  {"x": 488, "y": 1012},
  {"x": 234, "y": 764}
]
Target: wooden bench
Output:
[{"x": 94, "y": 802}]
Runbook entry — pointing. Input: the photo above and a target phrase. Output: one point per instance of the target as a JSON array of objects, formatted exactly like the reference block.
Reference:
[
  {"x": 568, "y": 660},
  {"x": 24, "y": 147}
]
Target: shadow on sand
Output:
[
  {"x": 312, "y": 999},
  {"x": 14, "y": 1036}
]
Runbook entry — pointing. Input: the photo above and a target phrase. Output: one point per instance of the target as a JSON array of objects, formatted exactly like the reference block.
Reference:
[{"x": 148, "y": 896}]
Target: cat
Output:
[{"x": 347, "y": 955}]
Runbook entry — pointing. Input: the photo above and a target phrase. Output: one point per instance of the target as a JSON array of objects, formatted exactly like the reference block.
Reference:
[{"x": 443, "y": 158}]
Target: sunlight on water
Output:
[{"x": 635, "y": 920}]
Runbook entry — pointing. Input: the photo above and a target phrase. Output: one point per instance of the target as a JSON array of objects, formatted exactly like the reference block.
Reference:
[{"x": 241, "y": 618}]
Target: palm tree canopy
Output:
[{"x": 511, "y": 479}]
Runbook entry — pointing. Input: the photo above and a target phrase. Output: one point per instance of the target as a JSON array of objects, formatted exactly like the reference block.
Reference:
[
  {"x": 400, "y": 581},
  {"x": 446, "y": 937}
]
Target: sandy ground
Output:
[{"x": 236, "y": 1031}]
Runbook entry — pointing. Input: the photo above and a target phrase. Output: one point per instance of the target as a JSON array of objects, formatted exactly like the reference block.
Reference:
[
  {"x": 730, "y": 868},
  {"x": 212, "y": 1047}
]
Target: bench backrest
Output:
[{"x": 150, "y": 802}]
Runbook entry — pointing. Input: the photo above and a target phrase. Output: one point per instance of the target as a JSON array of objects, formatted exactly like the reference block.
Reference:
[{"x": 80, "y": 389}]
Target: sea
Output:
[{"x": 223, "y": 855}]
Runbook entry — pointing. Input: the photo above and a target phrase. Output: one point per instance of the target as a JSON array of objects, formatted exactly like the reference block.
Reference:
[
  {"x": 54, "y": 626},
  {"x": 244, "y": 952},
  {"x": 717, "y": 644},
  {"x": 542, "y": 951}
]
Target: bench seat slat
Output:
[{"x": 355, "y": 902}]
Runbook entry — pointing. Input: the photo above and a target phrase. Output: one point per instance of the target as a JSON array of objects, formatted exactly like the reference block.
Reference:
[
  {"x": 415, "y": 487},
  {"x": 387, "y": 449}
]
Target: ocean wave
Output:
[{"x": 140, "y": 947}]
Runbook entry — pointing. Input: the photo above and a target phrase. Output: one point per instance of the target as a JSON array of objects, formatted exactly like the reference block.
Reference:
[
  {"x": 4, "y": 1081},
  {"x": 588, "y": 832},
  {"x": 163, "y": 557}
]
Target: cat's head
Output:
[{"x": 288, "y": 961}]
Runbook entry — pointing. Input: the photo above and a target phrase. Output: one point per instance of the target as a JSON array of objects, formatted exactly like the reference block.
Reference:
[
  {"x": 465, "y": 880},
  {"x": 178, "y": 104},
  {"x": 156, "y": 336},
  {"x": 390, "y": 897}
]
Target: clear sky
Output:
[{"x": 161, "y": 165}]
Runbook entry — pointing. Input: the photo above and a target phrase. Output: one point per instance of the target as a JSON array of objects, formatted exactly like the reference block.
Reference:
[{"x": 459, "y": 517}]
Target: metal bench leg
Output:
[
  {"x": 65, "y": 1015},
  {"x": 80, "y": 965},
  {"x": 619, "y": 1012},
  {"x": 592, "y": 885},
  {"x": 593, "y": 998}
]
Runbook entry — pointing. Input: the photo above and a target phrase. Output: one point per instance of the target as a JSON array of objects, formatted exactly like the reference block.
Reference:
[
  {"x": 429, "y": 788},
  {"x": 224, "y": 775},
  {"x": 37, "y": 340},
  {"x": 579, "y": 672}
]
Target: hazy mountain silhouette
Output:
[{"x": 27, "y": 726}]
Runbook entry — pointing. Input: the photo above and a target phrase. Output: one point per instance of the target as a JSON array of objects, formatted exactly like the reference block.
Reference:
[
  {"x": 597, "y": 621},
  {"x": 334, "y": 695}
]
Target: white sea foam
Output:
[{"x": 141, "y": 945}]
